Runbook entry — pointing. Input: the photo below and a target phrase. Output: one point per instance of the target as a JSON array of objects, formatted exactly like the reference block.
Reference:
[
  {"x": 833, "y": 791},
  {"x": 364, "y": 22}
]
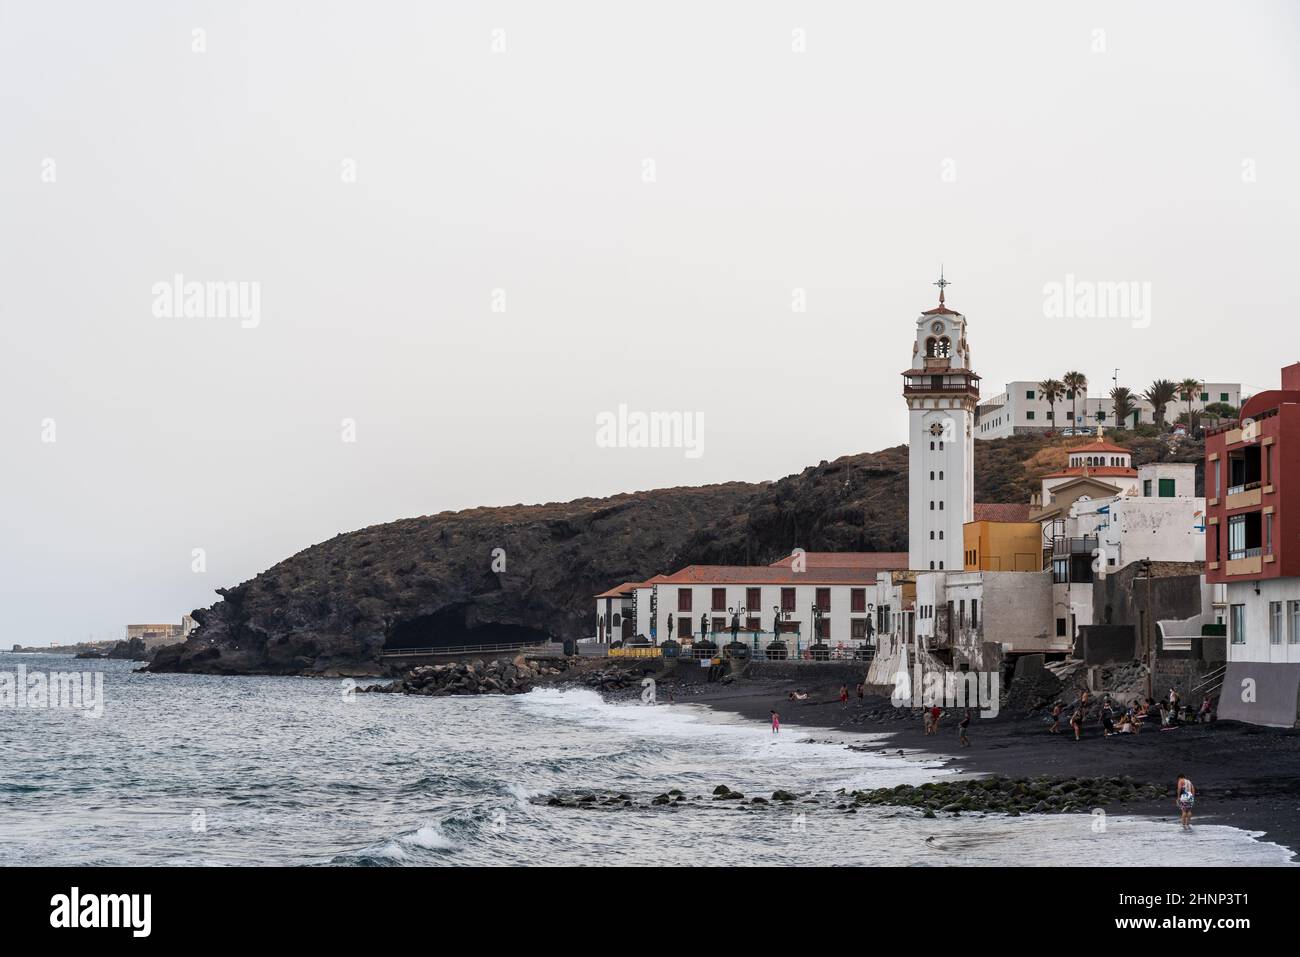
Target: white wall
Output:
[
  {"x": 1014, "y": 413},
  {"x": 702, "y": 599},
  {"x": 1257, "y": 646}
]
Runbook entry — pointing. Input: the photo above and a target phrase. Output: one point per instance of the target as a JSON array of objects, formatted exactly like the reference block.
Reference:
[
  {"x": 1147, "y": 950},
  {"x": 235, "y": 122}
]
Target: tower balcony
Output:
[{"x": 947, "y": 382}]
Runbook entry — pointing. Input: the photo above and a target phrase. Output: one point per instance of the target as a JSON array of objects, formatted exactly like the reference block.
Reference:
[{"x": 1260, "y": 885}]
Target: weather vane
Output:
[{"x": 941, "y": 284}]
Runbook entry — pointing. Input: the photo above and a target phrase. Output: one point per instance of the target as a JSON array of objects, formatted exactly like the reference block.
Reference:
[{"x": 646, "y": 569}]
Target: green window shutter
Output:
[{"x": 1166, "y": 488}]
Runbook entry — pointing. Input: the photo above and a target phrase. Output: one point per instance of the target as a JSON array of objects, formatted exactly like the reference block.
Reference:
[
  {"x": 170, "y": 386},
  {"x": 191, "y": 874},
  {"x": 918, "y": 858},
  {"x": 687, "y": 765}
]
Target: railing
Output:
[
  {"x": 1212, "y": 682},
  {"x": 465, "y": 649},
  {"x": 1237, "y": 553},
  {"x": 1235, "y": 489},
  {"x": 1074, "y": 546}
]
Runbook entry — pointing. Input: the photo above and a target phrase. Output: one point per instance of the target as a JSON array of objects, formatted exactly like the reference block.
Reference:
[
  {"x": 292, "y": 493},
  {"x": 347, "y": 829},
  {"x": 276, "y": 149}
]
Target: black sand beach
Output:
[{"x": 1246, "y": 776}]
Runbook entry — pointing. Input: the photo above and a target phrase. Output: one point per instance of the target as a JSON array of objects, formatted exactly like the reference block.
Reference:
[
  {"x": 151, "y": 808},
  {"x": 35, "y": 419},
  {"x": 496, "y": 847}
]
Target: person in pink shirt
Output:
[{"x": 776, "y": 723}]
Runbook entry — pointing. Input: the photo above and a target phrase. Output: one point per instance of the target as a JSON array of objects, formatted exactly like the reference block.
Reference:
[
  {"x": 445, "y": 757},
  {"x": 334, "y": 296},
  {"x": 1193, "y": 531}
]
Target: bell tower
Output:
[{"x": 942, "y": 392}]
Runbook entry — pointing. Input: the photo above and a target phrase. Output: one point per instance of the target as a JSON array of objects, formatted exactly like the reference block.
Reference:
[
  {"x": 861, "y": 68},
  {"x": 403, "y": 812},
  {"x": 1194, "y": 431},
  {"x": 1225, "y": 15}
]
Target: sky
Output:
[{"x": 466, "y": 235}]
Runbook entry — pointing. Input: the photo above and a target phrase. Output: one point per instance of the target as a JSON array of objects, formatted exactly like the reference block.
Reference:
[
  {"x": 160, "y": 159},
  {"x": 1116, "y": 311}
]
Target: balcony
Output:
[
  {"x": 1074, "y": 546},
  {"x": 1248, "y": 565}
]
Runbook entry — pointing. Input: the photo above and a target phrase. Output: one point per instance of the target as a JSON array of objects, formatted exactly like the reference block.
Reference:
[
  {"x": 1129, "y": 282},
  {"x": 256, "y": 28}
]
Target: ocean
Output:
[{"x": 201, "y": 770}]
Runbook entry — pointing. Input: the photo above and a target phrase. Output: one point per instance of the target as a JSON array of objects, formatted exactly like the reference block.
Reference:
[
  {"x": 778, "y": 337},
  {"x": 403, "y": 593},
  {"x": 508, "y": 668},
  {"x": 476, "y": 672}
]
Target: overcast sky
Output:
[{"x": 646, "y": 189}]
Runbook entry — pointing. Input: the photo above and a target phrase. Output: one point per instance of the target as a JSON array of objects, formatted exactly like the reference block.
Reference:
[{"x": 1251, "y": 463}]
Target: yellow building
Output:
[{"x": 1003, "y": 546}]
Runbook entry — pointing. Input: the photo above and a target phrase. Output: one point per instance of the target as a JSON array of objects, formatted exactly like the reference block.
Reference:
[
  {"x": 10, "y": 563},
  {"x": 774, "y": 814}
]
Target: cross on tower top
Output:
[{"x": 941, "y": 284}]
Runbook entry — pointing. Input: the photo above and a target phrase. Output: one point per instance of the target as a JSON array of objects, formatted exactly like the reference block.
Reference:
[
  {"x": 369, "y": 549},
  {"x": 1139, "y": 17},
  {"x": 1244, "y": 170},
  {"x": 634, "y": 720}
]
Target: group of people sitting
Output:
[{"x": 1167, "y": 714}]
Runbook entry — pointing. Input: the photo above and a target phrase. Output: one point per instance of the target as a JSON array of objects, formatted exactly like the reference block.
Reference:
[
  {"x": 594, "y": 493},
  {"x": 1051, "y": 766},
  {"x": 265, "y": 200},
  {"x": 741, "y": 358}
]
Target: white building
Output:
[
  {"x": 1021, "y": 409},
  {"x": 941, "y": 390}
]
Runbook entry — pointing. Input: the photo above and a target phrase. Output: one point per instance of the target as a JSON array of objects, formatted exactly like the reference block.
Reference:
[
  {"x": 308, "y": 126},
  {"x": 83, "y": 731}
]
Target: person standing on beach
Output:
[
  {"x": 844, "y": 696},
  {"x": 962, "y": 725},
  {"x": 935, "y": 714},
  {"x": 1076, "y": 722},
  {"x": 929, "y": 721},
  {"x": 1056, "y": 718},
  {"x": 861, "y": 690},
  {"x": 1186, "y": 798},
  {"x": 776, "y": 723}
]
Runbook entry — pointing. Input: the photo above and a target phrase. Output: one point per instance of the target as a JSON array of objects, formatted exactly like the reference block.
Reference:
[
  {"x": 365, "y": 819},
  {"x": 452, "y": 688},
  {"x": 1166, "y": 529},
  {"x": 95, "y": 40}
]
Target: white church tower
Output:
[{"x": 941, "y": 391}]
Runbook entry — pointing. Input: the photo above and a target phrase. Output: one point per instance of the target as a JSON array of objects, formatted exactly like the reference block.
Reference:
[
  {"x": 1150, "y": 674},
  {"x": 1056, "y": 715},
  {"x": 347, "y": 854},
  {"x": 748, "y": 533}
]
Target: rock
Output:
[{"x": 784, "y": 796}]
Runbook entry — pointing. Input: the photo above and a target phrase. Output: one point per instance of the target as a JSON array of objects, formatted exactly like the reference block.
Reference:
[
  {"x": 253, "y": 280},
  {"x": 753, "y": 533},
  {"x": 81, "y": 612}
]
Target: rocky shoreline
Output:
[
  {"x": 517, "y": 675},
  {"x": 992, "y": 795}
]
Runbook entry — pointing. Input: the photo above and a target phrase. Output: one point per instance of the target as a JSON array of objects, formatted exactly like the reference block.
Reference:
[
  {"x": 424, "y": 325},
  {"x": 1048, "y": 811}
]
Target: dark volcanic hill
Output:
[{"x": 331, "y": 608}]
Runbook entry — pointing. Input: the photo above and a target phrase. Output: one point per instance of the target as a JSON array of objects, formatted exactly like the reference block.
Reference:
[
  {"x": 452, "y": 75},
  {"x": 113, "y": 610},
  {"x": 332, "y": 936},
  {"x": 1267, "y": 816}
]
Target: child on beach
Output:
[
  {"x": 929, "y": 721},
  {"x": 962, "y": 725},
  {"x": 1076, "y": 722},
  {"x": 1186, "y": 798},
  {"x": 1056, "y": 718},
  {"x": 776, "y": 723}
]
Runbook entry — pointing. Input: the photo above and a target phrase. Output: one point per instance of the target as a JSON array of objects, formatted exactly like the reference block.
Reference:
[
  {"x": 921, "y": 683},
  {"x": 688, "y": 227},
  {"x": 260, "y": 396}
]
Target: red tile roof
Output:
[
  {"x": 620, "y": 590},
  {"x": 879, "y": 561},
  {"x": 1001, "y": 512},
  {"x": 770, "y": 575}
]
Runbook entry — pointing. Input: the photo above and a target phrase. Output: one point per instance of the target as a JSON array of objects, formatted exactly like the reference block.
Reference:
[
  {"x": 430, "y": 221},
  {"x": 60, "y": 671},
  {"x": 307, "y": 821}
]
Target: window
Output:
[
  {"x": 961, "y": 613},
  {"x": 858, "y": 600},
  {"x": 1223, "y": 397},
  {"x": 1237, "y": 629},
  {"x": 683, "y": 599},
  {"x": 1101, "y": 416},
  {"x": 1293, "y": 634},
  {"x": 719, "y": 600},
  {"x": 787, "y": 599},
  {"x": 683, "y": 626},
  {"x": 858, "y": 628},
  {"x": 824, "y": 599},
  {"x": 932, "y": 536},
  {"x": 974, "y": 612},
  {"x": 1146, "y": 488},
  {"x": 824, "y": 628},
  {"x": 1029, "y": 394},
  {"x": 1029, "y": 414},
  {"x": 1218, "y": 479},
  {"x": 932, "y": 566},
  {"x": 940, "y": 475},
  {"x": 754, "y": 599},
  {"x": 941, "y": 530},
  {"x": 1205, "y": 397},
  {"x": 931, "y": 446},
  {"x": 753, "y": 624},
  {"x": 932, "y": 476},
  {"x": 719, "y": 625},
  {"x": 1275, "y": 623},
  {"x": 1268, "y": 534},
  {"x": 941, "y": 505},
  {"x": 941, "y": 566},
  {"x": 1060, "y": 627},
  {"x": 1050, "y": 415},
  {"x": 932, "y": 505},
  {"x": 1167, "y": 488}
]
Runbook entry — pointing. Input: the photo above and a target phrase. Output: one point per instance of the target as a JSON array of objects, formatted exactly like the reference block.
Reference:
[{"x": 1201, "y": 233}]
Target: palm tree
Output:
[
  {"x": 1122, "y": 401},
  {"x": 1051, "y": 390},
  {"x": 1160, "y": 394},
  {"x": 1190, "y": 388},
  {"x": 1077, "y": 382}
]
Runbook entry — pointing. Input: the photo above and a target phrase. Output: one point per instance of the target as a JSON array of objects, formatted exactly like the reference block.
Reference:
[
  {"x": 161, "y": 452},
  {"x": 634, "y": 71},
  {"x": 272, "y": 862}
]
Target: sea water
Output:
[{"x": 197, "y": 769}]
